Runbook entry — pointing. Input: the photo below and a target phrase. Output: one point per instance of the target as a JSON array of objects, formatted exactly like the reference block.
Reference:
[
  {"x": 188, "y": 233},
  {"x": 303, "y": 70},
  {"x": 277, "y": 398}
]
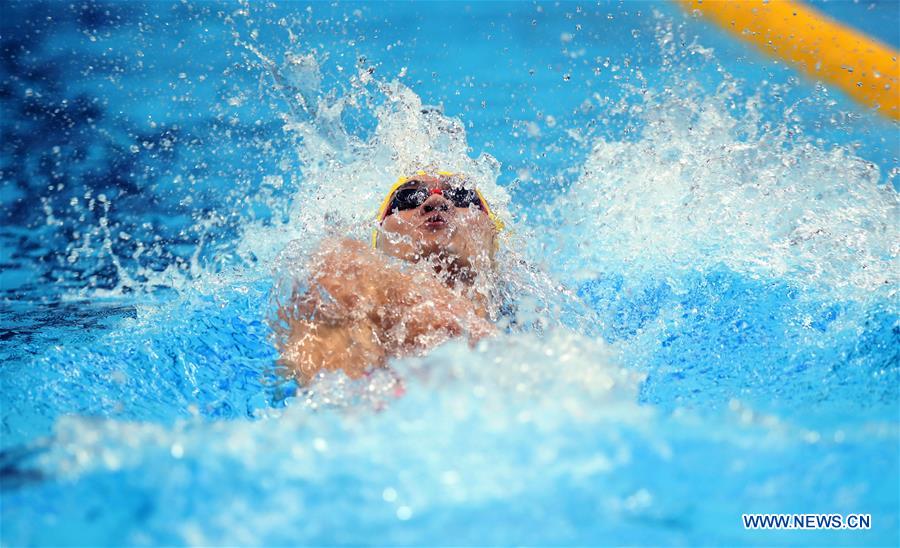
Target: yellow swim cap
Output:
[{"x": 385, "y": 204}]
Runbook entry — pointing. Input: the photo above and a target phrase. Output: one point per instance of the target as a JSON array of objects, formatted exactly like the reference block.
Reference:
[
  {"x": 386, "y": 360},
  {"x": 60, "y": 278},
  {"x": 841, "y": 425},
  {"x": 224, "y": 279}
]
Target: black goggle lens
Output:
[
  {"x": 462, "y": 197},
  {"x": 409, "y": 198}
]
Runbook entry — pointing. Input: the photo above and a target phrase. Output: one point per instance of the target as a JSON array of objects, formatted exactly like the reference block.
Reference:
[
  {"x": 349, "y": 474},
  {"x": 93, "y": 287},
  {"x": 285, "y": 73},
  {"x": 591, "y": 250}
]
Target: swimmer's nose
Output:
[{"x": 436, "y": 202}]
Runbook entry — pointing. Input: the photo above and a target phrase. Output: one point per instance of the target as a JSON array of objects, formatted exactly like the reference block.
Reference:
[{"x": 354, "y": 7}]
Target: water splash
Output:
[
  {"x": 474, "y": 432},
  {"x": 704, "y": 186}
]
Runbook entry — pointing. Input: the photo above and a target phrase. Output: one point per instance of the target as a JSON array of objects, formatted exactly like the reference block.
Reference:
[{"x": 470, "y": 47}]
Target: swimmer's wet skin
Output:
[{"x": 366, "y": 307}]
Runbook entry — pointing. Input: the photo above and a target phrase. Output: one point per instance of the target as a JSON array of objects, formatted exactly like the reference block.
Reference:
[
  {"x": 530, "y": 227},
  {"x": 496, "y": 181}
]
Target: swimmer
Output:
[{"x": 428, "y": 276}]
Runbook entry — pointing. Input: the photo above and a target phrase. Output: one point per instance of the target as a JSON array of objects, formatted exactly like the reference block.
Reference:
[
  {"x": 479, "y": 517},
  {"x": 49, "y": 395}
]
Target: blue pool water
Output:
[{"x": 703, "y": 247}]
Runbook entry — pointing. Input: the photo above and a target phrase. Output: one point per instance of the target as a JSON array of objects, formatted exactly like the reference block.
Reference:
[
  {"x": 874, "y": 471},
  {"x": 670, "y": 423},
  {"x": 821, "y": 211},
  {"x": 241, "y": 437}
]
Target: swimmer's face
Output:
[{"x": 448, "y": 226}]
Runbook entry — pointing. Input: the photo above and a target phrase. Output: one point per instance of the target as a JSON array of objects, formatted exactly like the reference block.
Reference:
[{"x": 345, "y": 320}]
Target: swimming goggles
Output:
[{"x": 411, "y": 197}]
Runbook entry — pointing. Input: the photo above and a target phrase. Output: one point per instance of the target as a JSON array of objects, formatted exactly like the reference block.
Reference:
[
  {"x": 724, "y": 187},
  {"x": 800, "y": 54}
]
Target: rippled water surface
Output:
[{"x": 703, "y": 250}]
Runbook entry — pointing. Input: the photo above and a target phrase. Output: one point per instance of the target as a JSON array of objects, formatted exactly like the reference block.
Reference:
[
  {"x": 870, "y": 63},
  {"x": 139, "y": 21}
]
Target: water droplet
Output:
[{"x": 177, "y": 451}]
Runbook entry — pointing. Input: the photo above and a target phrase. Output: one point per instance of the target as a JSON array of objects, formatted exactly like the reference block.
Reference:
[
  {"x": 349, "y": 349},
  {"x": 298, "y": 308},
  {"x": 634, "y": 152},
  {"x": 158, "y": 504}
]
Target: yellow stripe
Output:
[
  {"x": 384, "y": 205},
  {"x": 824, "y": 49}
]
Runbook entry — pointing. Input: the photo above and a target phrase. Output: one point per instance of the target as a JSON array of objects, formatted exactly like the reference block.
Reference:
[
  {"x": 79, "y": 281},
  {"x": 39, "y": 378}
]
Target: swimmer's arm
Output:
[
  {"x": 347, "y": 321},
  {"x": 314, "y": 346},
  {"x": 329, "y": 327},
  {"x": 364, "y": 281}
]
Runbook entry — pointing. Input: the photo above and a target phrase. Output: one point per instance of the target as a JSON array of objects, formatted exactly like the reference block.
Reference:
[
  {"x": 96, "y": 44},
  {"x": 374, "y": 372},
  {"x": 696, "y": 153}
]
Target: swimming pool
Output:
[{"x": 711, "y": 245}]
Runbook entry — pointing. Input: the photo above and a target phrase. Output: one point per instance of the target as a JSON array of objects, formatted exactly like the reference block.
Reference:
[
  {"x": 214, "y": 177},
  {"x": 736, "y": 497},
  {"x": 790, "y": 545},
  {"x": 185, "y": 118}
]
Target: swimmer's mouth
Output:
[{"x": 435, "y": 222}]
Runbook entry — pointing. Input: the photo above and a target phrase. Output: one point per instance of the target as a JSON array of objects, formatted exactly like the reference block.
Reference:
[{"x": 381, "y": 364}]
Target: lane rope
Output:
[{"x": 819, "y": 46}]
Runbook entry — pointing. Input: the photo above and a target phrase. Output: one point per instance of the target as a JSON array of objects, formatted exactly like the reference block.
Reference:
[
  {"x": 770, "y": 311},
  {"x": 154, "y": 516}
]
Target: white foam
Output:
[{"x": 701, "y": 186}]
